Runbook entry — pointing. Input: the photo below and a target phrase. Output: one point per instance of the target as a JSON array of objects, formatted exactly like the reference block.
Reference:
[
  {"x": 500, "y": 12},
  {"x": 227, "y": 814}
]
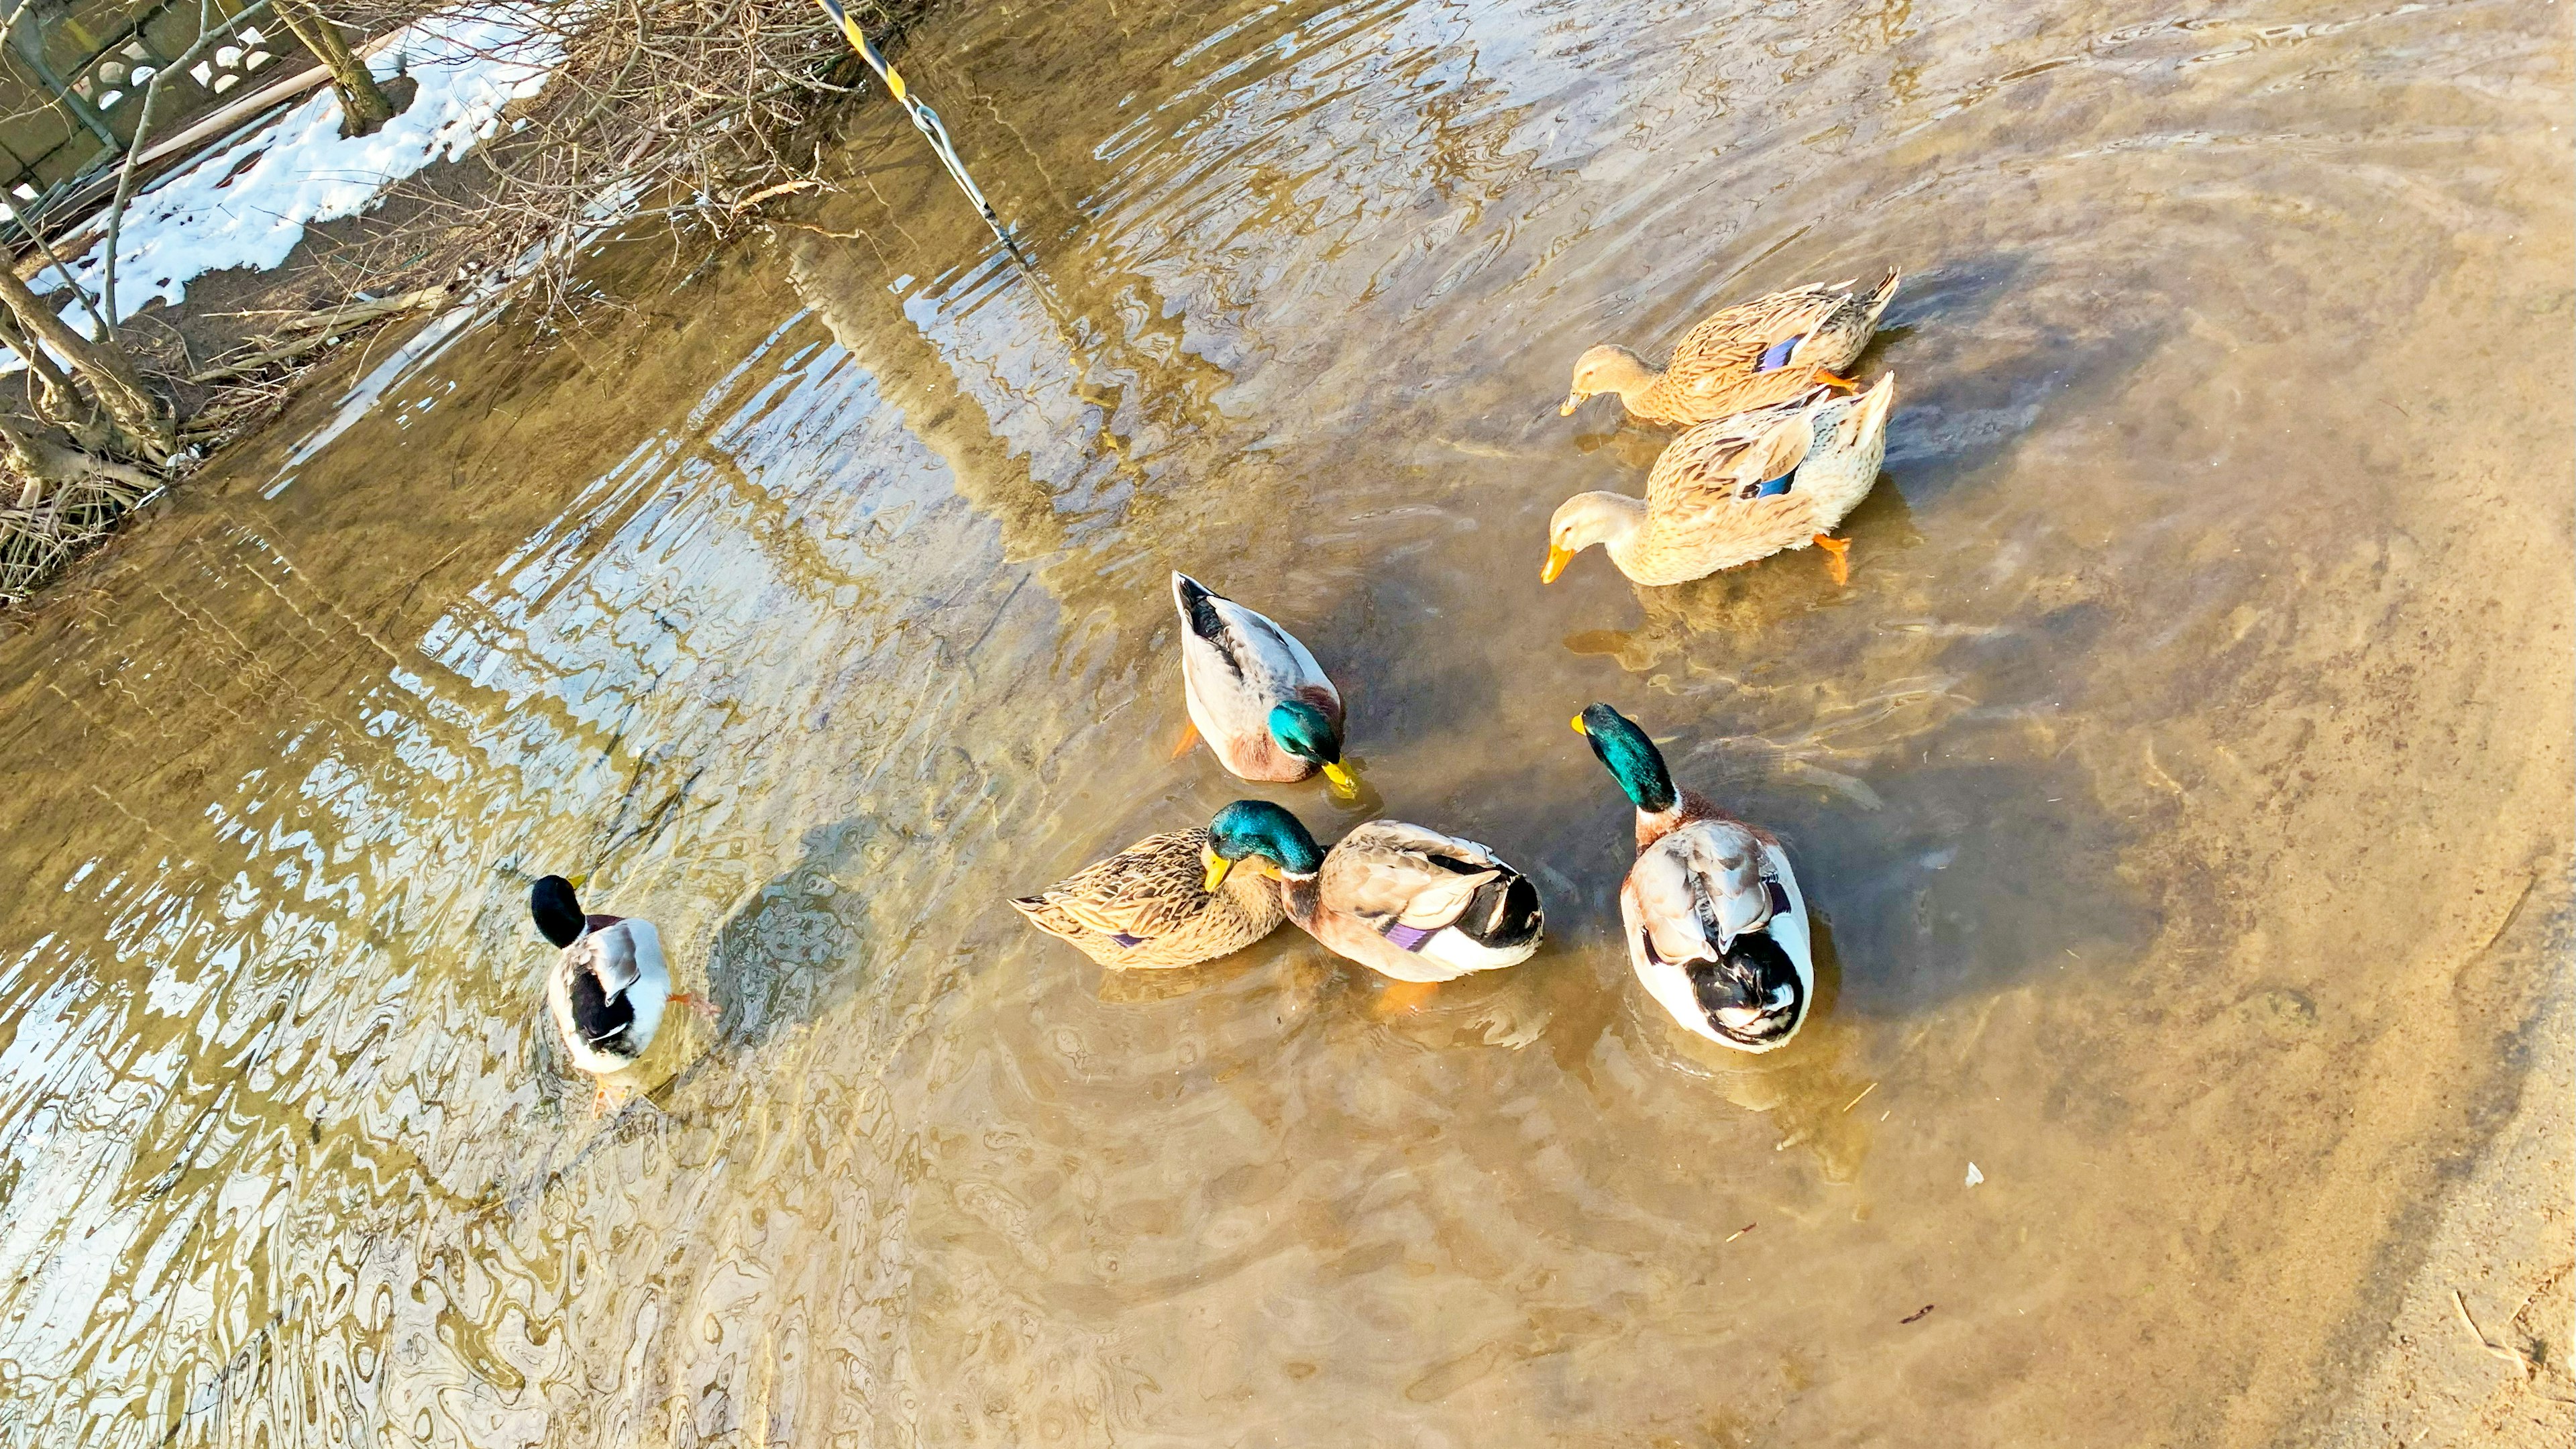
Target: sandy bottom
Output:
[{"x": 2182, "y": 779}]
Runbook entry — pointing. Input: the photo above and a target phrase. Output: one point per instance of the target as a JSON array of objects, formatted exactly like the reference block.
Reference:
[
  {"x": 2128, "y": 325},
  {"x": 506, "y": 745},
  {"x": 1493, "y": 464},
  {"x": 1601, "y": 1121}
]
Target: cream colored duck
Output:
[
  {"x": 1751, "y": 355},
  {"x": 609, "y": 984},
  {"x": 1407, "y": 903},
  {"x": 1717, "y": 927},
  {"x": 1150, "y": 907},
  {"x": 1255, "y": 693},
  {"x": 1739, "y": 489}
]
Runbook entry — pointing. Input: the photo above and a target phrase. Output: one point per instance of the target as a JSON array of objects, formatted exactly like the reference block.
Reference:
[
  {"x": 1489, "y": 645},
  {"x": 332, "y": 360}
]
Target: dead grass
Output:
[{"x": 684, "y": 115}]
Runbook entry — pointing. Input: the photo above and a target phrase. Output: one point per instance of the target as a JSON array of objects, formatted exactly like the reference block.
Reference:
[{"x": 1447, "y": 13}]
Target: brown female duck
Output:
[
  {"x": 1735, "y": 490},
  {"x": 1752, "y": 355},
  {"x": 1149, "y": 906}
]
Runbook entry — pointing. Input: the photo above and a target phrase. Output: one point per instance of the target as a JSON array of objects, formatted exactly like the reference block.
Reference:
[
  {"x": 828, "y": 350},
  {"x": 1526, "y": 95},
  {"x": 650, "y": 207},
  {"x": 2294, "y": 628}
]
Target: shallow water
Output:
[{"x": 2182, "y": 773}]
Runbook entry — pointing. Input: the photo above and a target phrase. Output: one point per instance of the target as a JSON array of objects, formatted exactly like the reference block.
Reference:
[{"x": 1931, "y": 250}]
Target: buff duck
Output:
[
  {"x": 1255, "y": 693},
  {"x": 1717, "y": 928},
  {"x": 1739, "y": 489},
  {"x": 1751, "y": 355},
  {"x": 609, "y": 984},
  {"x": 1408, "y": 903},
  {"x": 1150, "y": 907}
]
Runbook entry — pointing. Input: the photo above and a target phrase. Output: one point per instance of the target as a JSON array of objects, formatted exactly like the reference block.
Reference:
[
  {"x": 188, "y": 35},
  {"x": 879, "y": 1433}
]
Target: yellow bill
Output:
[
  {"x": 1342, "y": 779},
  {"x": 578, "y": 881},
  {"x": 1557, "y": 559},
  {"x": 1217, "y": 866},
  {"x": 1578, "y": 727},
  {"x": 1572, "y": 401}
]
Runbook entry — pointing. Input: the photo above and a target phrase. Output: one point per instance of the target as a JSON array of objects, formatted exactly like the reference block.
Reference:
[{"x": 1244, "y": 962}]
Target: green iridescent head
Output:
[
  {"x": 1309, "y": 734},
  {"x": 1632, "y": 758},
  {"x": 1261, "y": 831}
]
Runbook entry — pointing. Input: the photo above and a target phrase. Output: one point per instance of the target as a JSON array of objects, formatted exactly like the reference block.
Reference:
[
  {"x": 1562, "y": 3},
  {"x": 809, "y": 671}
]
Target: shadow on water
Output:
[{"x": 1983, "y": 390}]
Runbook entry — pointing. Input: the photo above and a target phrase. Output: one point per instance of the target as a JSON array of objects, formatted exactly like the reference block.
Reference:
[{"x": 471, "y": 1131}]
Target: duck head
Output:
[
  {"x": 1308, "y": 733},
  {"x": 1607, "y": 369},
  {"x": 1609, "y": 519},
  {"x": 1631, "y": 758},
  {"x": 557, "y": 911},
  {"x": 1256, "y": 830}
]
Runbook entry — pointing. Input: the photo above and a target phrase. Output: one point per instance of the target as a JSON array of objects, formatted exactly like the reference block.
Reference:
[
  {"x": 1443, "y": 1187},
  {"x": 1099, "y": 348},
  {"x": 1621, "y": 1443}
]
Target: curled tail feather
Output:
[
  {"x": 1885, "y": 294},
  {"x": 1504, "y": 913}
]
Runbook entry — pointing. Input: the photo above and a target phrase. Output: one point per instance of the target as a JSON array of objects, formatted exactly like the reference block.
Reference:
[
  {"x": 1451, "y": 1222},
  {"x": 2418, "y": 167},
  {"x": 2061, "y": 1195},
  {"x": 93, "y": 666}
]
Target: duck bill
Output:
[
  {"x": 1217, "y": 867},
  {"x": 578, "y": 881},
  {"x": 1344, "y": 783},
  {"x": 1573, "y": 400},
  {"x": 1557, "y": 559}
]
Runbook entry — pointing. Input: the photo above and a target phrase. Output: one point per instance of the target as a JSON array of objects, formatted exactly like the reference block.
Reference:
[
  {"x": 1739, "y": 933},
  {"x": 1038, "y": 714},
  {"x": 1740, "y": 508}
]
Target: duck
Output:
[
  {"x": 1739, "y": 489},
  {"x": 1256, "y": 694},
  {"x": 1717, "y": 928},
  {"x": 1409, "y": 903},
  {"x": 609, "y": 984},
  {"x": 1747, "y": 356},
  {"x": 1149, "y": 907}
]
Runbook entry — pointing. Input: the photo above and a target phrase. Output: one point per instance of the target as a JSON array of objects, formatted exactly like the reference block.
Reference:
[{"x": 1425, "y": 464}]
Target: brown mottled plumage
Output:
[
  {"x": 1718, "y": 368},
  {"x": 1153, "y": 894},
  {"x": 1705, "y": 507}
]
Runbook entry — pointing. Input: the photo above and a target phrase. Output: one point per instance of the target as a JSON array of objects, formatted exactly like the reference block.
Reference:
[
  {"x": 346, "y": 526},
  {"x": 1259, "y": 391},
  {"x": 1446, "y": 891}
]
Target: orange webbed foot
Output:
[
  {"x": 703, "y": 1006},
  {"x": 1401, "y": 997},
  {"x": 1837, "y": 557},
  {"x": 1835, "y": 379},
  {"x": 1189, "y": 738}
]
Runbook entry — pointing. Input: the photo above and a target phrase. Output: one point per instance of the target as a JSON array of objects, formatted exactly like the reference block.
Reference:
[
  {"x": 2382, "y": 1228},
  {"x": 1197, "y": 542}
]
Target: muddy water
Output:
[{"x": 2183, "y": 771}]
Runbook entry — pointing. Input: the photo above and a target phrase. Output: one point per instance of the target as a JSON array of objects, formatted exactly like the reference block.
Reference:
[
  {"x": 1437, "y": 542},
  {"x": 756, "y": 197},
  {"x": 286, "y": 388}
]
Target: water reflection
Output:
[{"x": 814, "y": 606}]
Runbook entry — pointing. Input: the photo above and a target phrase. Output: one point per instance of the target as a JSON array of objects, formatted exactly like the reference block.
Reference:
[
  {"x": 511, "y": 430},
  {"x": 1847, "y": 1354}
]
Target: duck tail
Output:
[
  {"x": 1503, "y": 913},
  {"x": 1885, "y": 294},
  {"x": 1197, "y": 603},
  {"x": 1879, "y": 399}
]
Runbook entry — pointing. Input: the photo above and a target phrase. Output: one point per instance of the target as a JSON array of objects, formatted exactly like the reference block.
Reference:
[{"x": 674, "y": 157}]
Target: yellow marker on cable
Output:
[{"x": 923, "y": 117}]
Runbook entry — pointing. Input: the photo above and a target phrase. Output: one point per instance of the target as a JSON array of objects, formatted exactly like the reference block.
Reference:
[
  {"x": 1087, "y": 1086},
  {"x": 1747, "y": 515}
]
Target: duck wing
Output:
[
  {"x": 1145, "y": 891},
  {"x": 1390, "y": 874},
  {"x": 1713, "y": 464},
  {"x": 1751, "y": 337},
  {"x": 597, "y": 971},
  {"x": 1248, "y": 645},
  {"x": 1699, "y": 888},
  {"x": 1239, "y": 662},
  {"x": 610, "y": 957}
]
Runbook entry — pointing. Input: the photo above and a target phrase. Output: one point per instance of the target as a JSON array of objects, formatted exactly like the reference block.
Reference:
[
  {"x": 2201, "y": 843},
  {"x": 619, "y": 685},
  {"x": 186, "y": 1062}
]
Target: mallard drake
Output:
[
  {"x": 1406, "y": 902},
  {"x": 1255, "y": 694},
  {"x": 1738, "y": 489},
  {"x": 1149, "y": 906},
  {"x": 1717, "y": 928},
  {"x": 1751, "y": 355},
  {"x": 609, "y": 984}
]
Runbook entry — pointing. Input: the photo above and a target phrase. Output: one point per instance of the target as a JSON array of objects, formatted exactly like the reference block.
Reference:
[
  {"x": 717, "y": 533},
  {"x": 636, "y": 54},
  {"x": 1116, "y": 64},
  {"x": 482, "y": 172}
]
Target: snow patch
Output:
[{"x": 248, "y": 204}]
